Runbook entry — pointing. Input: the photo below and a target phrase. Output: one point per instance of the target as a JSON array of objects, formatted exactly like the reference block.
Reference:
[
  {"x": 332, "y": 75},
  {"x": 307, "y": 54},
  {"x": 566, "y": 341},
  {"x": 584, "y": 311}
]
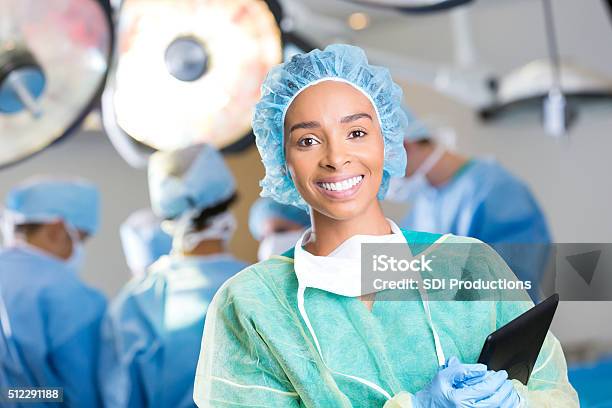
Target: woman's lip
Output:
[
  {"x": 341, "y": 194},
  {"x": 337, "y": 179}
]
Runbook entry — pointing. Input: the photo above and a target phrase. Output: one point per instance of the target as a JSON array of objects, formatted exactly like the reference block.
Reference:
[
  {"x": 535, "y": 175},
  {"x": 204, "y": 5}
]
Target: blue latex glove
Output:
[
  {"x": 450, "y": 387},
  {"x": 505, "y": 396}
]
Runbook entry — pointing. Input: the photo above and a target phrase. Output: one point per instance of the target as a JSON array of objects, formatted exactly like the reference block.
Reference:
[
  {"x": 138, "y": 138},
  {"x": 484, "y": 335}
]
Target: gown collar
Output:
[{"x": 340, "y": 271}]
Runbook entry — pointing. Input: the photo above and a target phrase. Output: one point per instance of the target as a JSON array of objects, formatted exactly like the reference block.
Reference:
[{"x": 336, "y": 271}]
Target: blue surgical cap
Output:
[
  {"x": 284, "y": 82},
  {"x": 265, "y": 208},
  {"x": 416, "y": 129},
  {"x": 143, "y": 239},
  {"x": 76, "y": 202},
  {"x": 192, "y": 178}
]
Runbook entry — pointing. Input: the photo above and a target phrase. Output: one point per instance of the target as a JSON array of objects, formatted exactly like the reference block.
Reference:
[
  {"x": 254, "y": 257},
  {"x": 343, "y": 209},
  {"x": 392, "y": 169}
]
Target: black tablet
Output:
[{"x": 515, "y": 346}]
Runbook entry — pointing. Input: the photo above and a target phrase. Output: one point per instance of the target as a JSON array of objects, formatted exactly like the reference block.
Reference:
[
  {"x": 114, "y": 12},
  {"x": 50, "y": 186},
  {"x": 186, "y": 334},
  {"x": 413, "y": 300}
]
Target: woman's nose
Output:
[{"x": 336, "y": 155}]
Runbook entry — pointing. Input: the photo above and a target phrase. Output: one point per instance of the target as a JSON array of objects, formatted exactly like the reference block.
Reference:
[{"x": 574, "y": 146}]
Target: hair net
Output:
[
  {"x": 143, "y": 240},
  {"x": 42, "y": 200},
  {"x": 285, "y": 81},
  {"x": 416, "y": 129},
  {"x": 188, "y": 179},
  {"x": 265, "y": 208}
]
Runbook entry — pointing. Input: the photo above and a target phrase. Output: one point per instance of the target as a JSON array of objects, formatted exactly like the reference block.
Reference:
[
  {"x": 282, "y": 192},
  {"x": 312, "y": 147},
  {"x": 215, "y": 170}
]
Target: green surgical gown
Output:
[{"x": 257, "y": 351}]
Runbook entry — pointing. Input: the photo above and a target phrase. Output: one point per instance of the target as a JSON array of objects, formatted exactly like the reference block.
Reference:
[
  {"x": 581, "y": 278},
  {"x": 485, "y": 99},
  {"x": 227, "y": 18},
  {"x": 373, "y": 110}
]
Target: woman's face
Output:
[{"x": 334, "y": 149}]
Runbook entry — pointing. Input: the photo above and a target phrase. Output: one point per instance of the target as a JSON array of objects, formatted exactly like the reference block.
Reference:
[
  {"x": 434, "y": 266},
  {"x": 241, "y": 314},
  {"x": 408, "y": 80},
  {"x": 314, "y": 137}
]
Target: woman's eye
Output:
[
  {"x": 358, "y": 133},
  {"x": 307, "y": 141}
]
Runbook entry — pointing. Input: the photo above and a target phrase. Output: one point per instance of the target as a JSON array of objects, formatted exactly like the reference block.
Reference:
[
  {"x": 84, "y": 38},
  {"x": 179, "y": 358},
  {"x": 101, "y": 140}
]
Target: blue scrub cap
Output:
[
  {"x": 192, "y": 178},
  {"x": 41, "y": 200},
  {"x": 265, "y": 208},
  {"x": 285, "y": 81},
  {"x": 416, "y": 129},
  {"x": 143, "y": 239}
]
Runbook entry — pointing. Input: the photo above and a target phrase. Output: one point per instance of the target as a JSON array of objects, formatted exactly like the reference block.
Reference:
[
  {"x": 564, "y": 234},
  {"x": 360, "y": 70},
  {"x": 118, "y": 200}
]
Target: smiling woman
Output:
[
  {"x": 300, "y": 329},
  {"x": 336, "y": 161}
]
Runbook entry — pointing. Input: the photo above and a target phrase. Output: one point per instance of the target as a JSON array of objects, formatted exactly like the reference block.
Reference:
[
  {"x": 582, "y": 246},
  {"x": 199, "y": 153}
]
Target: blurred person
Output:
[
  {"x": 50, "y": 318},
  {"x": 276, "y": 226},
  {"x": 474, "y": 197},
  {"x": 153, "y": 330},
  {"x": 143, "y": 241}
]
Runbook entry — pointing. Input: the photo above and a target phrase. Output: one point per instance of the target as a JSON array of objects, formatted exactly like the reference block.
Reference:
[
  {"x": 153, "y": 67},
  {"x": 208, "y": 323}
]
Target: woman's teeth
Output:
[{"x": 342, "y": 185}]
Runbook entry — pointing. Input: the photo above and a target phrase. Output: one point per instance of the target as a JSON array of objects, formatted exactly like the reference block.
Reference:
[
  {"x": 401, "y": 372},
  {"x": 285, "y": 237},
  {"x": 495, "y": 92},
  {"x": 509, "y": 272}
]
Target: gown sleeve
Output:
[{"x": 236, "y": 368}]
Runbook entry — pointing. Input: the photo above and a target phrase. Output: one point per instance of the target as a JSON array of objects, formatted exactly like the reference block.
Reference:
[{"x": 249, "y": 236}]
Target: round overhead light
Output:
[
  {"x": 190, "y": 72},
  {"x": 358, "y": 21},
  {"x": 54, "y": 57}
]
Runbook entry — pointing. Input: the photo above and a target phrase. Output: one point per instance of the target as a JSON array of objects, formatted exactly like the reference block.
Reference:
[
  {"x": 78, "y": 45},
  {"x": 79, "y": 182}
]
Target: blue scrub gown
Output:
[
  {"x": 153, "y": 331},
  {"x": 54, "y": 323},
  {"x": 486, "y": 202}
]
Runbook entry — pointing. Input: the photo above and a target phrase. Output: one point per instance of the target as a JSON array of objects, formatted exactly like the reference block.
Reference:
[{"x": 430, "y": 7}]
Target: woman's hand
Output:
[{"x": 467, "y": 385}]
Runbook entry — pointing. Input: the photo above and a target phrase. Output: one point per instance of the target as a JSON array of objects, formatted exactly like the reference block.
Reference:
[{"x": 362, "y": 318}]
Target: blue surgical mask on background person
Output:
[{"x": 77, "y": 257}]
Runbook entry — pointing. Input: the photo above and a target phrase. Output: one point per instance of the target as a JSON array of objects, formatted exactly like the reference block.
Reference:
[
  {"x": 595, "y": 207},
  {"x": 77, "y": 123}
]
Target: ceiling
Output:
[{"x": 507, "y": 33}]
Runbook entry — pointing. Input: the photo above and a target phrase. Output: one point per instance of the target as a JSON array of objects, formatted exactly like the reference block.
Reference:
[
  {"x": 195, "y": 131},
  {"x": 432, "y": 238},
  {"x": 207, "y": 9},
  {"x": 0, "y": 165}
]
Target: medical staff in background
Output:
[
  {"x": 474, "y": 197},
  {"x": 276, "y": 226},
  {"x": 50, "y": 318},
  {"x": 153, "y": 330},
  {"x": 143, "y": 241}
]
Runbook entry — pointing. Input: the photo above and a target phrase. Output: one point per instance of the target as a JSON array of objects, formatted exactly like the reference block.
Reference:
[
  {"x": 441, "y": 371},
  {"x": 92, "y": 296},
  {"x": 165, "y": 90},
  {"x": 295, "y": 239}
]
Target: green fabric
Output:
[
  {"x": 257, "y": 350},
  {"x": 289, "y": 253},
  {"x": 417, "y": 241}
]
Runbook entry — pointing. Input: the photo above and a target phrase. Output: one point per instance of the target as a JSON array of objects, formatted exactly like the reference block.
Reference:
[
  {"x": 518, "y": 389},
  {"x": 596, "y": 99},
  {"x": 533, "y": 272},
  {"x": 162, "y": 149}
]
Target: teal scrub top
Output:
[{"x": 258, "y": 351}]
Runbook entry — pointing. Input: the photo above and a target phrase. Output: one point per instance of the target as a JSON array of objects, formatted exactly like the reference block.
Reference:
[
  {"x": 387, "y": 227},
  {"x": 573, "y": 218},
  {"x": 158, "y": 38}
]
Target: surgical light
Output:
[
  {"x": 54, "y": 56},
  {"x": 189, "y": 71}
]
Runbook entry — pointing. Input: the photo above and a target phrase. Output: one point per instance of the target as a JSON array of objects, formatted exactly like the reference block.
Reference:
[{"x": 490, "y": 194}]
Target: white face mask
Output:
[
  {"x": 77, "y": 257},
  {"x": 406, "y": 188},
  {"x": 221, "y": 227},
  {"x": 340, "y": 271},
  {"x": 277, "y": 243},
  {"x": 403, "y": 189}
]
